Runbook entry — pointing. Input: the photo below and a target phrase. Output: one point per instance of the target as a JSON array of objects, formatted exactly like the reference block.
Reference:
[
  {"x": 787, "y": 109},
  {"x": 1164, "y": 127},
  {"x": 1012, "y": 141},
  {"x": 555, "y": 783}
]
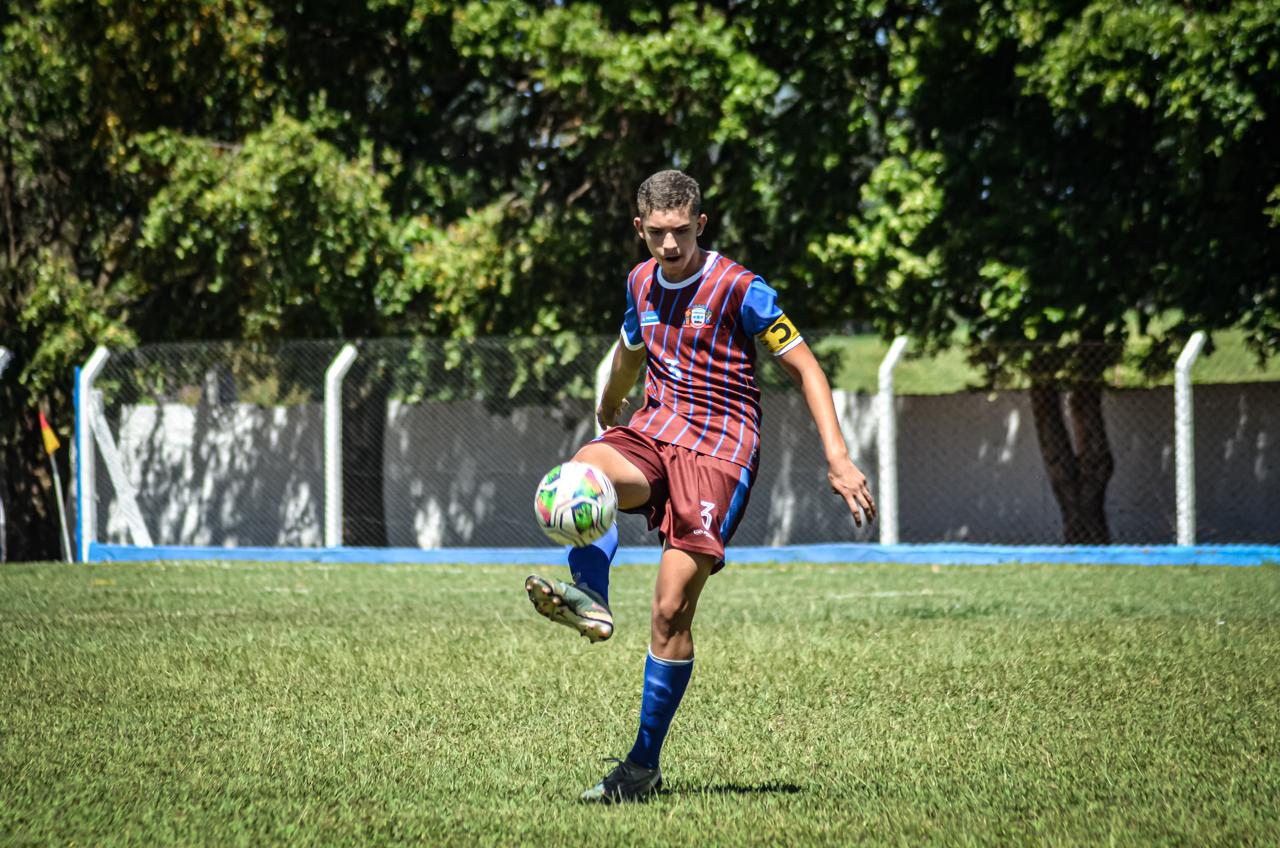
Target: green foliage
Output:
[
  {"x": 283, "y": 229},
  {"x": 471, "y": 277},
  {"x": 981, "y": 172},
  {"x": 895, "y": 272},
  {"x": 469, "y": 170},
  {"x": 578, "y": 106},
  {"x": 76, "y": 317},
  {"x": 503, "y": 372},
  {"x": 1197, "y": 86},
  {"x": 1188, "y": 68},
  {"x": 1078, "y": 165}
]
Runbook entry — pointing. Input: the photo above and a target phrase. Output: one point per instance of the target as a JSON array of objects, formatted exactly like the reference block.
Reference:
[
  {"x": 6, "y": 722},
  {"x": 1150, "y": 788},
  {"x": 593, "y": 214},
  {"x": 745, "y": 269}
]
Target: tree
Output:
[
  {"x": 573, "y": 106},
  {"x": 224, "y": 169},
  {"x": 155, "y": 187},
  {"x": 60, "y": 229},
  {"x": 1040, "y": 177},
  {"x": 1065, "y": 175}
]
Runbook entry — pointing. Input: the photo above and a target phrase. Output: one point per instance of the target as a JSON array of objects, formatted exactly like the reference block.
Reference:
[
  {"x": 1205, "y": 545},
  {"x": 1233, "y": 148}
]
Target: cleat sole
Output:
[{"x": 552, "y": 607}]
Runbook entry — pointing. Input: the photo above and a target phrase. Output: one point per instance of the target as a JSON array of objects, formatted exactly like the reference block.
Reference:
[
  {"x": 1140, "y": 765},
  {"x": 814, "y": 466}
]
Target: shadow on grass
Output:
[{"x": 736, "y": 789}]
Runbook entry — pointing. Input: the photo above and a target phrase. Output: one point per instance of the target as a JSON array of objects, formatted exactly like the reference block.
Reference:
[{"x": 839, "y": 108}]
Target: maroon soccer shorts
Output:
[{"x": 695, "y": 500}]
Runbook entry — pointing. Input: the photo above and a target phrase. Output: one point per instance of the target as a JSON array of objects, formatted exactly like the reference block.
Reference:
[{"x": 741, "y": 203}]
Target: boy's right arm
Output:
[{"x": 628, "y": 364}]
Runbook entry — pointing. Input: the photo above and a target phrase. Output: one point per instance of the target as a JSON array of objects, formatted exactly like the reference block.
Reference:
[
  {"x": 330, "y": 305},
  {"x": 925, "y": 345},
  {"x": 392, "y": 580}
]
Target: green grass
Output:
[
  {"x": 859, "y": 359},
  {"x": 356, "y": 705}
]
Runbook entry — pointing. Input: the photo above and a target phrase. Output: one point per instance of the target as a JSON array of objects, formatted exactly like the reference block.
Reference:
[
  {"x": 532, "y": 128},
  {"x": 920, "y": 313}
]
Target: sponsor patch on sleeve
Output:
[
  {"x": 648, "y": 319},
  {"x": 780, "y": 336}
]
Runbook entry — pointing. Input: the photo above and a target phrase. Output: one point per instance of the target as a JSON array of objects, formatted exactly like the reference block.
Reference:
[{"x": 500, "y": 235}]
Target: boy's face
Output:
[{"x": 672, "y": 237}]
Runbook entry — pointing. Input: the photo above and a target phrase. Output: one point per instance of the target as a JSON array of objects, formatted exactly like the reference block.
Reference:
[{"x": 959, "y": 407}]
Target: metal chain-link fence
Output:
[
  {"x": 1051, "y": 449},
  {"x": 1237, "y": 445},
  {"x": 1047, "y": 445},
  {"x": 449, "y": 438},
  {"x": 218, "y": 444},
  {"x": 443, "y": 441}
]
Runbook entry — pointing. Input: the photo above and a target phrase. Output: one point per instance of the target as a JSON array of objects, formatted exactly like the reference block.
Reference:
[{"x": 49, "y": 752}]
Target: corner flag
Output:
[{"x": 51, "y": 443}]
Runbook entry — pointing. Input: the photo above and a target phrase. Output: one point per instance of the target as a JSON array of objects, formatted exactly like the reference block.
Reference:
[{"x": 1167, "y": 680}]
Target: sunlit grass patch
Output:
[{"x": 352, "y": 705}]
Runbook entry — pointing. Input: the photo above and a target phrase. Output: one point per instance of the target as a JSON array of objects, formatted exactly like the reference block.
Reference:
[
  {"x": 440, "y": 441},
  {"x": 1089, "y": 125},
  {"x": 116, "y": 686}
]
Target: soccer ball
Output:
[{"x": 575, "y": 504}]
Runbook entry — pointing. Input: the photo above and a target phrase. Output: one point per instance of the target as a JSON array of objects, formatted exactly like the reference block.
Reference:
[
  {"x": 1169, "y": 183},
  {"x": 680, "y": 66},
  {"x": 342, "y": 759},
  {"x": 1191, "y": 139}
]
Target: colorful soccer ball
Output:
[{"x": 575, "y": 504}]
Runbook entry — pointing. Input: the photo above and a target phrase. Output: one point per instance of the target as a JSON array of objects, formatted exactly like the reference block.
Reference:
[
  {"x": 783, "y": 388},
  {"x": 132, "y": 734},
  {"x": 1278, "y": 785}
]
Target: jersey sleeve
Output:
[
  {"x": 762, "y": 317},
  {"x": 631, "y": 323}
]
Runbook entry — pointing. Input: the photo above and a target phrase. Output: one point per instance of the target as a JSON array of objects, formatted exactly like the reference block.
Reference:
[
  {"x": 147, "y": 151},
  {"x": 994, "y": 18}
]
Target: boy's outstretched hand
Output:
[
  {"x": 608, "y": 415},
  {"x": 851, "y": 484}
]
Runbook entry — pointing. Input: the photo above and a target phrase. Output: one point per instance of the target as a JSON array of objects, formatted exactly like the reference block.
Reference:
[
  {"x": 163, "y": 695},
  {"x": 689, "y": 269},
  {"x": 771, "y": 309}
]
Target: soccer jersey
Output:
[{"x": 700, "y": 386}]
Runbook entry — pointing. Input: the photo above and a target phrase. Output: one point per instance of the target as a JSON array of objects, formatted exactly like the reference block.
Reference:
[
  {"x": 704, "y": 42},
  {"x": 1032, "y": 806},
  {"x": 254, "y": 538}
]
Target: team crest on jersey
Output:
[{"x": 697, "y": 316}]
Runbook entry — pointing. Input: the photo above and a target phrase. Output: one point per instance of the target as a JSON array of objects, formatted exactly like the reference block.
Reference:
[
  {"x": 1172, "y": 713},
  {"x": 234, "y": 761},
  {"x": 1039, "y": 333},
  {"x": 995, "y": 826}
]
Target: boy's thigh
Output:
[
  {"x": 631, "y": 462},
  {"x": 706, "y": 498}
]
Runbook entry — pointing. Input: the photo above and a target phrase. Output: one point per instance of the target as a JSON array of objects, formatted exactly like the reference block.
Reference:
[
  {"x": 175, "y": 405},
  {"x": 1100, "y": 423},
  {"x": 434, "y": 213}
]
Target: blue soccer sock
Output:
[
  {"x": 664, "y": 685},
  {"x": 589, "y": 564}
]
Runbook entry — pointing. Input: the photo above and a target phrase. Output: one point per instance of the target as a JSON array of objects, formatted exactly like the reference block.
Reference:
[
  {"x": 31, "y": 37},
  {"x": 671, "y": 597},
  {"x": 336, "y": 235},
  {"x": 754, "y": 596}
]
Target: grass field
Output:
[
  {"x": 359, "y": 705},
  {"x": 860, "y": 356}
]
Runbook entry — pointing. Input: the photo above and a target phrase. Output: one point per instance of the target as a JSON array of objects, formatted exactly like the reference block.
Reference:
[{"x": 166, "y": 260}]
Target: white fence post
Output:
[
  {"x": 86, "y": 470},
  {"x": 333, "y": 376},
  {"x": 887, "y": 445},
  {"x": 602, "y": 377},
  {"x": 1184, "y": 452}
]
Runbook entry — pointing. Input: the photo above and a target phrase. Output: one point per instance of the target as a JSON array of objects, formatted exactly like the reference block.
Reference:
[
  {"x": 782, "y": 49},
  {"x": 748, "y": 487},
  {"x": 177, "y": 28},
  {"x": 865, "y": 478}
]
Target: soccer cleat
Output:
[
  {"x": 627, "y": 782},
  {"x": 570, "y": 605}
]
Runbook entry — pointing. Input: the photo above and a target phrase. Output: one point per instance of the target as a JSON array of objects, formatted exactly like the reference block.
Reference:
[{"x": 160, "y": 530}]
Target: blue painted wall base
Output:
[{"x": 941, "y": 554}]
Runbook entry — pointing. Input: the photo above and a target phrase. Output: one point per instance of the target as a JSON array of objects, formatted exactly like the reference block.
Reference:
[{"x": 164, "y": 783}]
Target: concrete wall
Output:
[
  {"x": 456, "y": 476},
  {"x": 969, "y": 470},
  {"x": 1238, "y": 463},
  {"x": 233, "y": 474}
]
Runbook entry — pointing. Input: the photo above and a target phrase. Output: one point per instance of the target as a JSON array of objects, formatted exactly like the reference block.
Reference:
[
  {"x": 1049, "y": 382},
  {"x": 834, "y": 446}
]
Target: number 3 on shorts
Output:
[{"x": 707, "y": 506}]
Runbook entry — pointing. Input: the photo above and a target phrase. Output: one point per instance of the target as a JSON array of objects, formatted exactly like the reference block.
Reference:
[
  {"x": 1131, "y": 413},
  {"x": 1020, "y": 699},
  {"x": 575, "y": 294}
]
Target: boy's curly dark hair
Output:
[{"x": 669, "y": 190}]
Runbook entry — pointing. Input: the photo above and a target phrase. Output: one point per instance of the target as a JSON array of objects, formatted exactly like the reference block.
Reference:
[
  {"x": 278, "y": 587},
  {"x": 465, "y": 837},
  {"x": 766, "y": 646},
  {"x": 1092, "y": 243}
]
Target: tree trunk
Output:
[
  {"x": 30, "y": 508},
  {"x": 1080, "y": 469}
]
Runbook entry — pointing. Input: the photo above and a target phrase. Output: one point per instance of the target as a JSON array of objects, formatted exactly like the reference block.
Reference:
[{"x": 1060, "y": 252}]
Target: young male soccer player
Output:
[{"x": 688, "y": 457}]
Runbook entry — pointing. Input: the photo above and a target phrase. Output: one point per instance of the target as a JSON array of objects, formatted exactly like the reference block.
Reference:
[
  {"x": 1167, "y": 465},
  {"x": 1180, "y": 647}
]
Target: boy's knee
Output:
[{"x": 670, "y": 615}]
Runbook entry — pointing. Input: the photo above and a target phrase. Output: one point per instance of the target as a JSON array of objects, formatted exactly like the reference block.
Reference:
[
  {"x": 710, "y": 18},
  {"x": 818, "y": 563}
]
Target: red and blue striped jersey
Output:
[{"x": 700, "y": 385}]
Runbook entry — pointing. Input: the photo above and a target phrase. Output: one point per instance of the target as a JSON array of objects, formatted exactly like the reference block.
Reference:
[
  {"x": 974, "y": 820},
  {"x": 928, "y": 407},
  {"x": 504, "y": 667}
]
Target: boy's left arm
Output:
[{"x": 845, "y": 478}]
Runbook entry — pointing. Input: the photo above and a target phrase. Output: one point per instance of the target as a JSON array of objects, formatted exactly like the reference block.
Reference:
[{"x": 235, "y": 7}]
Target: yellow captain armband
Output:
[{"x": 780, "y": 336}]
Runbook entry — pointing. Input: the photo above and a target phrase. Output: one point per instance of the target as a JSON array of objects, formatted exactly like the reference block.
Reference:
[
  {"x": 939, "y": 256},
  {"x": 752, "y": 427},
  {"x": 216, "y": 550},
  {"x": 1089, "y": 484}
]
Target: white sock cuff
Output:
[{"x": 672, "y": 663}]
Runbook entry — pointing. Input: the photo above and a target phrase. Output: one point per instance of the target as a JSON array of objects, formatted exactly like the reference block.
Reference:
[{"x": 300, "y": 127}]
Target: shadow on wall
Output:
[
  {"x": 458, "y": 476},
  {"x": 455, "y": 475},
  {"x": 970, "y": 468},
  {"x": 234, "y": 474},
  {"x": 1238, "y": 463}
]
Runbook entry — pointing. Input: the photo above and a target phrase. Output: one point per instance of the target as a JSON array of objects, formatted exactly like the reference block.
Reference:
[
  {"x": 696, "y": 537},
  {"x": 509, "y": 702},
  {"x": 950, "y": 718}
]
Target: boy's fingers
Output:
[{"x": 854, "y": 509}]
